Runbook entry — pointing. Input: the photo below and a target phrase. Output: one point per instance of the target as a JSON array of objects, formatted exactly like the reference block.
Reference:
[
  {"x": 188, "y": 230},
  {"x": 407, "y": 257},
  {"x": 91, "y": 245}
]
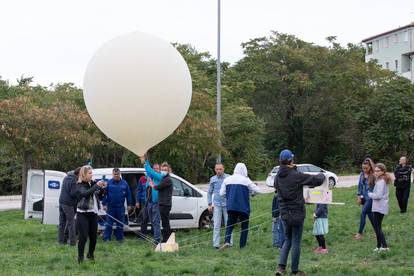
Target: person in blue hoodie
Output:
[
  {"x": 154, "y": 179},
  {"x": 113, "y": 203},
  {"x": 237, "y": 189}
]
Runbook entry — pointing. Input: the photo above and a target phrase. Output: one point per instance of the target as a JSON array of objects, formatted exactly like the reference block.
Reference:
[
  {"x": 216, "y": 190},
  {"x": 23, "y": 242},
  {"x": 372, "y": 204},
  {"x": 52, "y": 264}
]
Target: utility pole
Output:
[{"x": 218, "y": 77}]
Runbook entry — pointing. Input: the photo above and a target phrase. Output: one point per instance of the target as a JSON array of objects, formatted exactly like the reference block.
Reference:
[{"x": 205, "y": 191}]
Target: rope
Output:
[{"x": 147, "y": 238}]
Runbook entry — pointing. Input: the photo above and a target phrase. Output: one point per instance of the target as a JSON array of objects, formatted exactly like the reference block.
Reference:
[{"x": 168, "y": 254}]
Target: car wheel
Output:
[
  {"x": 331, "y": 182},
  {"x": 206, "y": 220}
]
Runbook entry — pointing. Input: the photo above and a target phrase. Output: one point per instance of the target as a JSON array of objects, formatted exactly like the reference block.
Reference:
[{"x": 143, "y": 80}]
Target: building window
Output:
[
  {"x": 396, "y": 38},
  {"x": 387, "y": 65},
  {"x": 396, "y": 65},
  {"x": 387, "y": 42},
  {"x": 406, "y": 36},
  {"x": 369, "y": 48},
  {"x": 376, "y": 45}
]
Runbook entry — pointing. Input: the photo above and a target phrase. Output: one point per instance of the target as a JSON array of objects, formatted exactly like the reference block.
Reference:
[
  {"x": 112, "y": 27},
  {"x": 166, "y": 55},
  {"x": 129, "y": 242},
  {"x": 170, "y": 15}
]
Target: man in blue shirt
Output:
[
  {"x": 113, "y": 203},
  {"x": 216, "y": 203}
]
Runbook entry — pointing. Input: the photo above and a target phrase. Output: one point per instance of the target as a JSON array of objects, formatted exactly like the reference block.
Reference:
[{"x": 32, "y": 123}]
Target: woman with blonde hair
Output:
[
  {"x": 88, "y": 194},
  {"x": 380, "y": 207}
]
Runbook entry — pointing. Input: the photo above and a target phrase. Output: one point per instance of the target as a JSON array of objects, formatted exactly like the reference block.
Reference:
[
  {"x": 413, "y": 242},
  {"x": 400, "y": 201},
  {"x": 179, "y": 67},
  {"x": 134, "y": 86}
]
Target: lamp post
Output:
[{"x": 218, "y": 77}]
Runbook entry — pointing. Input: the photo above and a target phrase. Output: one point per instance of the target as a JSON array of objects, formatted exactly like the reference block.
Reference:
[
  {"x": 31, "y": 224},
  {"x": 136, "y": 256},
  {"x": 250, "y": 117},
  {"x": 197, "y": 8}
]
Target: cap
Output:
[{"x": 286, "y": 155}]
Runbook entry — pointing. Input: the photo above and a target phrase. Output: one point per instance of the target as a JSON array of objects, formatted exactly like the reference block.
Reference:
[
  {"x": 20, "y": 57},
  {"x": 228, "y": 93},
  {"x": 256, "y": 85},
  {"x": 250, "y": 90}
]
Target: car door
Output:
[
  {"x": 184, "y": 205},
  {"x": 34, "y": 194},
  {"x": 52, "y": 186},
  {"x": 314, "y": 170}
]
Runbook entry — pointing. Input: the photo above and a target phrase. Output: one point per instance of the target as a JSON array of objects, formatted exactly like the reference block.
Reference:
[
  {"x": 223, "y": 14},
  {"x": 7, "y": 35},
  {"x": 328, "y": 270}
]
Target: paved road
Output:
[{"x": 14, "y": 202}]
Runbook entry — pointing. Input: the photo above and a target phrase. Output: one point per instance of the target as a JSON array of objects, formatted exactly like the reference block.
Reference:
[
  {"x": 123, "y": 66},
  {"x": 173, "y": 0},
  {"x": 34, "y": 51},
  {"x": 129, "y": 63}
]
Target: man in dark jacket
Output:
[
  {"x": 67, "y": 208},
  {"x": 165, "y": 190},
  {"x": 402, "y": 183},
  {"x": 289, "y": 184}
]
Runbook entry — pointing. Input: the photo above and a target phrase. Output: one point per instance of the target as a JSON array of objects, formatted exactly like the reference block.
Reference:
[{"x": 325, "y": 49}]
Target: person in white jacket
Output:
[
  {"x": 380, "y": 204},
  {"x": 237, "y": 189}
]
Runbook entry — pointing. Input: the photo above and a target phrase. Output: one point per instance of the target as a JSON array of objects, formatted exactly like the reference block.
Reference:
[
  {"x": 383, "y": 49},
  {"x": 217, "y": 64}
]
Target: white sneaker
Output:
[
  {"x": 384, "y": 249},
  {"x": 224, "y": 246},
  {"x": 376, "y": 249}
]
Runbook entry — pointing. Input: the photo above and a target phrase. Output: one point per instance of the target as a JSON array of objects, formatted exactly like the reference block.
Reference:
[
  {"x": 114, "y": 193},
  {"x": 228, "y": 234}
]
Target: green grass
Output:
[{"x": 28, "y": 247}]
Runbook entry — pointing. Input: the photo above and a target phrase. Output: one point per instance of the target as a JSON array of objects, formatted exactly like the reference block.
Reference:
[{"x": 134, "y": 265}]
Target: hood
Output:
[
  {"x": 241, "y": 169},
  {"x": 284, "y": 170}
]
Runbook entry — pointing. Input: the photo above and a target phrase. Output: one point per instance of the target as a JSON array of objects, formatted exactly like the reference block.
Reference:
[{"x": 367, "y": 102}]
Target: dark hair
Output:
[
  {"x": 286, "y": 162},
  {"x": 155, "y": 164},
  {"x": 371, "y": 177},
  {"x": 77, "y": 170},
  {"x": 116, "y": 170},
  {"x": 219, "y": 164}
]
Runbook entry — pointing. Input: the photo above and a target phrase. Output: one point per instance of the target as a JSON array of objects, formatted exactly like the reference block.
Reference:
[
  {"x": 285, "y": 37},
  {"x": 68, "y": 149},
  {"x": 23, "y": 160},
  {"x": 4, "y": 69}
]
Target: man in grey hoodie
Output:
[{"x": 67, "y": 206}]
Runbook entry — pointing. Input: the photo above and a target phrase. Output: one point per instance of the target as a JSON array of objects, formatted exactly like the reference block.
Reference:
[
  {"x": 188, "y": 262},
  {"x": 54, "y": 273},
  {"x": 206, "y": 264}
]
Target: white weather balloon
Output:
[{"x": 137, "y": 89}]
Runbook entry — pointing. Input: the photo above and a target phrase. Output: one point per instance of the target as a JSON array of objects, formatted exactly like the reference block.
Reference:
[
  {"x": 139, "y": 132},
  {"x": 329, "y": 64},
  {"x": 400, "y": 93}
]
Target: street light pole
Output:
[{"x": 218, "y": 77}]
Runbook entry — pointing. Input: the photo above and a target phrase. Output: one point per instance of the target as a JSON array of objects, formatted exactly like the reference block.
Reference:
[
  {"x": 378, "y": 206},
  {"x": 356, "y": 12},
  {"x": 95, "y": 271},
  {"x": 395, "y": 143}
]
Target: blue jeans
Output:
[
  {"x": 243, "y": 218},
  {"x": 155, "y": 217},
  {"x": 119, "y": 214},
  {"x": 278, "y": 232},
  {"x": 218, "y": 212},
  {"x": 293, "y": 235},
  {"x": 366, "y": 211}
]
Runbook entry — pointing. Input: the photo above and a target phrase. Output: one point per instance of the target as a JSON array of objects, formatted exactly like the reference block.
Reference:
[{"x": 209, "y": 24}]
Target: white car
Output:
[
  {"x": 189, "y": 203},
  {"x": 308, "y": 169}
]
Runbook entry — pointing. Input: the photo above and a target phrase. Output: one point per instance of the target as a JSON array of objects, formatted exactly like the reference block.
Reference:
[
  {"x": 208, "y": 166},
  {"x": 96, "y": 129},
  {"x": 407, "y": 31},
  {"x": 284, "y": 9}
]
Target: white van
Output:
[{"x": 189, "y": 203}]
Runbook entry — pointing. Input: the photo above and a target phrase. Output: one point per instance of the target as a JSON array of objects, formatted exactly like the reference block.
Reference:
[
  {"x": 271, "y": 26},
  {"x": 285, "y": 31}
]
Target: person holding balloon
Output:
[{"x": 154, "y": 179}]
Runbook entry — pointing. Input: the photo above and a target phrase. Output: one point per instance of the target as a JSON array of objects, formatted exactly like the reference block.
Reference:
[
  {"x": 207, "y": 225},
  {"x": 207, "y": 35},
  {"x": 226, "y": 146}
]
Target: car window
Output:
[
  {"x": 275, "y": 170},
  {"x": 303, "y": 169},
  {"x": 314, "y": 169},
  {"x": 177, "y": 187}
]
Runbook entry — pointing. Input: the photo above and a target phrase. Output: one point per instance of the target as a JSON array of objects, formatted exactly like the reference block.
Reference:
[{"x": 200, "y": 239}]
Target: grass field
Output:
[{"x": 28, "y": 247}]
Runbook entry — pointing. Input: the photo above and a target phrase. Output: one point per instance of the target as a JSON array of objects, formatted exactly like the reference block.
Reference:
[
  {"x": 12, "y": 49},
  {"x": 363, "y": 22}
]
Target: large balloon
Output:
[{"x": 137, "y": 89}]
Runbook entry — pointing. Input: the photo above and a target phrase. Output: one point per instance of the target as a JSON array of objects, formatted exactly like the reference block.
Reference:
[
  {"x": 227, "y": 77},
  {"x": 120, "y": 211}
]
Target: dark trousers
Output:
[
  {"x": 144, "y": 218},
  {"x": 233, "y": 216},
  {"x": 366, "y": 211},
  {"x": 87, "y": 227},
  {"x": 378, "y": 217},
  {"x": 293, "y": 235},
  {"x": 402, "y": 195},
  {"x": 67, "y": 227},
  {"x": 321, "y": 241},
  {"x": 165, "y": 222}
]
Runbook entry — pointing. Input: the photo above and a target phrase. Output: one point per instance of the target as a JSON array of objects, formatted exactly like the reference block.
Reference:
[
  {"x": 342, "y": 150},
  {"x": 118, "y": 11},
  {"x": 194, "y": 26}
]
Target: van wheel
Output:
[
  {"x": 331, "y": 182},
  {"x": 206, "y": 220}
]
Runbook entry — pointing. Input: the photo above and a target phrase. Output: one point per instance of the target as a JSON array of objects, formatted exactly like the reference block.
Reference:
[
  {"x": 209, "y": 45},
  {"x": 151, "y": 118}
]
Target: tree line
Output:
[{"x": 324, "y": 103}]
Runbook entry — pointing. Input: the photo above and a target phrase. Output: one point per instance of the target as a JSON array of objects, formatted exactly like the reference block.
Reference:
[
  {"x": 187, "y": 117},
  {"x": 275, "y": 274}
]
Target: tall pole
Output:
[{"x": 218, "y": 77}]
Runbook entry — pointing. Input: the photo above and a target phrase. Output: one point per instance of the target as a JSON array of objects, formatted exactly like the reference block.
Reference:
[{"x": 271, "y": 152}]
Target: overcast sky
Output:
[{"x": 53, "y": 40}]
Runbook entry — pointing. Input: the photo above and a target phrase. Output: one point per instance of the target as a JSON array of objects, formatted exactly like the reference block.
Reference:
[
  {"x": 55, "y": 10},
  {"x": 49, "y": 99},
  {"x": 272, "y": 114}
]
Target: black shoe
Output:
[
  {"x": 80, "y": 260},
  {"x": 301, "y": 273},
  {"x": 280, "y": 271},
  {"x": 217, "y": 247},
  {"x": 90, "y": 257}
]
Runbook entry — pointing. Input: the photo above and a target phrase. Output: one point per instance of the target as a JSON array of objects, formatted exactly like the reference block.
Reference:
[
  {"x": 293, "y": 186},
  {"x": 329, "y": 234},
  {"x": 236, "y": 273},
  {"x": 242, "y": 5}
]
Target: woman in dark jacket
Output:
[{"x": 88, "y": 193}]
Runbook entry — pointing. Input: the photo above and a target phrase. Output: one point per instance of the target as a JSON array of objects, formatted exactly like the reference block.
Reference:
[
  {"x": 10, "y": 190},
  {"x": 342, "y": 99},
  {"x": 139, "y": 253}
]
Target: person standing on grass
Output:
[
  {"x": 237, "y": 189},
  {"x": 117, "y": 192},
  {"x": 67, "y": 209},
  {"x": 320, "y": 227},
  {"x": 278, "y": 232},
  {"x": 289, "y": 184},
  {"x": 216, "y": 203},
  {"x": 380, "y": 204},
  {"x": 152, "y": 195},
  {"x": 88, "y": 194},
  {"x": 165, "y": 191},
  {"x": 402, "y": 183},
  {"x": 365, "y": 185}
]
